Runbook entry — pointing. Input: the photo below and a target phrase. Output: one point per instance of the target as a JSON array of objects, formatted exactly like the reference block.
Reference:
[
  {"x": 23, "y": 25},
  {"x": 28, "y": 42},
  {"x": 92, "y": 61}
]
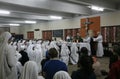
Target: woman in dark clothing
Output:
[
  {"x": 22, "y": 61},
  {"x": 24, "y": 57},
  {"x": 83, "y": 53},
  {"x": 86, "y": 71}
]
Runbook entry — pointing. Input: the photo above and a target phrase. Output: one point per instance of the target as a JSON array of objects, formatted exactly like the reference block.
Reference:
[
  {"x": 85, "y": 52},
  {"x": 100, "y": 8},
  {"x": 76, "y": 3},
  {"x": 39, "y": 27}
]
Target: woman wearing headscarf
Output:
[
  {"x": 21, "y": 62},
  {"x": 64, "y": 54},
  {"x": 29, "y": 50},
  {"x": 53, "y": 45},
  {"x": 61, "y": 75},
  {"x": 7, "y": 58},
  {"x": 36, "y": 55},
  {"x": 15, "y": 45},
  {"x": 30, "y": 71},
  {"x": 74, "y": 55},
  {"x": 44, "y": 49}
]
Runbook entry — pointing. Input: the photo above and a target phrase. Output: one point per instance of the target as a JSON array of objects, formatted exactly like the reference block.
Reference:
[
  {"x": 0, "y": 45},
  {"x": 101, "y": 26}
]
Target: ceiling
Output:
[{"x": 40, "y": 10}]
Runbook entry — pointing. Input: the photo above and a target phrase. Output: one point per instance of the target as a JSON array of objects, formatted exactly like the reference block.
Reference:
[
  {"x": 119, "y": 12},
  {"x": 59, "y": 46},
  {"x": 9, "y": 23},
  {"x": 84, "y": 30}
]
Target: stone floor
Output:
[{"x": 104, "y": 66}]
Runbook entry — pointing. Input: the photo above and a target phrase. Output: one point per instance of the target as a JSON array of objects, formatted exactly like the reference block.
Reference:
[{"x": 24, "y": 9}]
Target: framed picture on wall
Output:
[{"x": 57, "y": 33}]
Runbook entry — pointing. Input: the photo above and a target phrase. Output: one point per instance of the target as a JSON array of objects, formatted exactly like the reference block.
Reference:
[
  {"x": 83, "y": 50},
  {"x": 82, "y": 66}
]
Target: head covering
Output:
[
  {"x": 24, "y": 57},
  {"x": 3, "y": 43},
  {"x": 61, "y": 75},
  {"x": 5, "y": 37},
  {"x": 65, "y": 53},
  {"x": 23, "y": 41},
  {"x": 64, "y": 46},
  {"x": 4, "y": 69},
  {"x": 30, "y": 70},
  {"x": 53, "y": 45},
  {"x": 74, "y": 55}
]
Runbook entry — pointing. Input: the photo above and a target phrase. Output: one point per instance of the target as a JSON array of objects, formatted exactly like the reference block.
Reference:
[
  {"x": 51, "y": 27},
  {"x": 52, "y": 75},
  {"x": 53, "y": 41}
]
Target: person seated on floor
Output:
[
  {"x": 30, "y": 71},
  {"x": 53, "y": 65},
  {"x": 96, "y": 66},
  {"x": 84, "y": 53},
  {"x": 114, "y": 72},
  {"x": 64, "y": 54},
  {"x": 86, "y": 70},
  {"x": 61, "y": 75},
  {"x": 74, "y": 57}
]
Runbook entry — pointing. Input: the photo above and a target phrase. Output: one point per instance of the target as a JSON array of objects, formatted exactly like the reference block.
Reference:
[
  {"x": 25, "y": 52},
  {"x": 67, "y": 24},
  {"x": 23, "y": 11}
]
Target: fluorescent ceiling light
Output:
[
  {"x": 14, "y": 24},
  {"x": 30, "y": 22},
  {"x": 55, "y": 17},
  {"x": 4, "y": 12},
  {"x": 96, "y": 8}
]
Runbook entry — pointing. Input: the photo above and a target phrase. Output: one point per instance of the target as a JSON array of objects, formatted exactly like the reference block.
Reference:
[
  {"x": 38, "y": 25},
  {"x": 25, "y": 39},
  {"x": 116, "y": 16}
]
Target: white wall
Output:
[
  {"x": 107, "y": 19},
  {"x": 15, "y": 30},
  {"x": 37, "y": 34},
  {"x": 64, "y": 24}
]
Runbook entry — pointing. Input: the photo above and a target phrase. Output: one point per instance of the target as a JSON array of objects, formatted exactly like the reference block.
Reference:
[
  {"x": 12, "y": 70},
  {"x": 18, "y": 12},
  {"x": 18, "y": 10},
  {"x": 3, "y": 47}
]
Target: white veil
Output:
[
  {"x": 4, "y": 69},
  {"x": 61, "y": 75},
  {"x": 30, "y": 70}
]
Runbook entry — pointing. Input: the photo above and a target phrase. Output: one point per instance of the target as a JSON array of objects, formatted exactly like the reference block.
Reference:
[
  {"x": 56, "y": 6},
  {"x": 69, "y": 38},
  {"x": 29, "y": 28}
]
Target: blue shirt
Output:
[{"x": 53, "y": 66}]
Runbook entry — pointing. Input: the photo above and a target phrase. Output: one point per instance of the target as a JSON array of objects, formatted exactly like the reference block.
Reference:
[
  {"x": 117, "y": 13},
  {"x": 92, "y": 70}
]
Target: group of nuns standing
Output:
[{"x": 22, "y": 59}]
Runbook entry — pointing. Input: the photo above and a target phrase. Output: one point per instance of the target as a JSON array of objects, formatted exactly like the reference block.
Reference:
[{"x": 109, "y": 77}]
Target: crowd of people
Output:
[{"x": 37, "y": 59}]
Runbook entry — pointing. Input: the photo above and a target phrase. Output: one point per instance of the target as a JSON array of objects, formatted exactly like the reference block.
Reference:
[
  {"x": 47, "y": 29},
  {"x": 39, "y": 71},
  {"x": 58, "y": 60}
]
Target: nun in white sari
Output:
[
  {"x": 64, "y": 54},
  {"x": 74, "y": 55},
  {"x": 14, "y": 45},
  {"x": 53, "y": 45},
  {"x": 36, "y": 55},
  {"x": 7, "y": 58},
  {"x": 30, "y": 71},
  {"x": 29, "y": 50},
  {"x": 44, "y": 49},
  {"x": 61, "y": 75}
]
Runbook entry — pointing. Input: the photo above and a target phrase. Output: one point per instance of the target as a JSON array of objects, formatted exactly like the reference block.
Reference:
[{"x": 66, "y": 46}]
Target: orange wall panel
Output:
[{"x": 95, "y": 25}]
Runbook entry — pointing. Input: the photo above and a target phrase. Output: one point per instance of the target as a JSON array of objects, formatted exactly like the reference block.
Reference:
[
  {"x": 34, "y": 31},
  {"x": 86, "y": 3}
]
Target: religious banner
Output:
[{"x": 91, "y": 23}]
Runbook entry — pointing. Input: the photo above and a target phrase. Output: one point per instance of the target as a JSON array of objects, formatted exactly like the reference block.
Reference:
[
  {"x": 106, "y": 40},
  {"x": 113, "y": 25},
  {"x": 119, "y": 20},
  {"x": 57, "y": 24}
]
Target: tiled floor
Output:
[{"x": 104, "y": 66}]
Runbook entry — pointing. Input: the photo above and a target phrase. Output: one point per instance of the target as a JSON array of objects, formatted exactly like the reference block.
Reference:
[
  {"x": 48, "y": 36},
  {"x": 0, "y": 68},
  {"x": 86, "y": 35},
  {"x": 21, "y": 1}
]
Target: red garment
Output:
[{"x": 115, "y": 70}]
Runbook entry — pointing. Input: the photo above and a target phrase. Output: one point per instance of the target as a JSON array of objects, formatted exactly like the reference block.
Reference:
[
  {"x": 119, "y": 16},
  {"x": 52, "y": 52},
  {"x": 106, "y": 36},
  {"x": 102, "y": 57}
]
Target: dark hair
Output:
[
  {"x": 53, "y": 53},
  {"x": 84, "y": 51},
  {"x": 86, "y": 64},
  {"x": 24, "y": 57}
]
